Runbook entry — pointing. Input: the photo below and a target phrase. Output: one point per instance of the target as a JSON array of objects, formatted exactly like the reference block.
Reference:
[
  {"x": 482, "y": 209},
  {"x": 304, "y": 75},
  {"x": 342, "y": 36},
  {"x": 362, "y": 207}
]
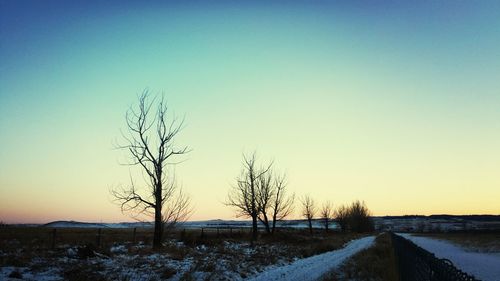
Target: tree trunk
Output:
[
  {"x": 254, "y": 228},
  {"x": 274, "y": 222},
  {"x": 255, "y": 214},
  {"x": 158, "y": 230},
  {"x": 265, "y": 222},
  {"x": 158, "y": 233},
  {"x": 310, "y": 226}
]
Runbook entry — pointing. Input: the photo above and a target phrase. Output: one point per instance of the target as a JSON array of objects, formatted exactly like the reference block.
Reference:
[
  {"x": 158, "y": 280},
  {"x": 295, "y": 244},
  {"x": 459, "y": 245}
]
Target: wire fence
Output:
[
  {"x": 54, "y": 238},
  {"x": 417, "y": 264}
]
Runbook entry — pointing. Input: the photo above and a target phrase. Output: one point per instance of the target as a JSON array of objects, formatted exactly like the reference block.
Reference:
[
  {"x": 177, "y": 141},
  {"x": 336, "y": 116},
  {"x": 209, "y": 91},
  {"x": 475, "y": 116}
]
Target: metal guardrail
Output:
[{"x": 417, "y": 264}]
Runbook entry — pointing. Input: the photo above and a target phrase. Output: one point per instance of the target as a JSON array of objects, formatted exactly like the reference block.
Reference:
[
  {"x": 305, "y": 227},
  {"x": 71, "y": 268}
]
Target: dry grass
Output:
[
  {"x": 301, "y": 244},
  {"x": 377, "y": 263},
  {"x": 481, "y": 242},
  {"x": 294, "y": 242},
  {"x": 42, "y": 237},
  {"x": 213, "y": 255}
]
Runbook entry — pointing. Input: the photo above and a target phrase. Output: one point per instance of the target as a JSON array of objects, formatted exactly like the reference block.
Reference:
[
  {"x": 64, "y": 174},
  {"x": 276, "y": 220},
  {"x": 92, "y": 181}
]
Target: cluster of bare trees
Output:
[
  {"x": 355, "y": 217},
  {"x": 260, "y": 194}
]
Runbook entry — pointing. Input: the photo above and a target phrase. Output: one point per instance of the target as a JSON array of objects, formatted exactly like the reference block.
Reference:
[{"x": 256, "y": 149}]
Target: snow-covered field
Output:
[
  {"x": 212, "y": 258},
  {"x": 314, "y": 267},
  {"x": 484, "y": 266}
]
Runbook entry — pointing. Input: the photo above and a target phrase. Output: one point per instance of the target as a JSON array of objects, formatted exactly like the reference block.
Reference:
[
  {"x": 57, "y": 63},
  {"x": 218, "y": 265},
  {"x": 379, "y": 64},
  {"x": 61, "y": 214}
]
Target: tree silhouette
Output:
[
  {"x": 244, "y": 196},
  {"x": 326, "y": 215},
  {"x": 149, "y": 141},
  {"x": 308, "y": 210}
]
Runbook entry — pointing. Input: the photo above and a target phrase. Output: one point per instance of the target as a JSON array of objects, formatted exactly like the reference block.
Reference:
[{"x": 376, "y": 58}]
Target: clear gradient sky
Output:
[{"x": 393, "y": 102}]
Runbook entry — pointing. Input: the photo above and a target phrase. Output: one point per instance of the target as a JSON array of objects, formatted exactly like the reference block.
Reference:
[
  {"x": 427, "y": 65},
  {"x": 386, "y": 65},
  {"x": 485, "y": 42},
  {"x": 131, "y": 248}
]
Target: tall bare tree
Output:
[
  {"x": 308, "y": 210},
  {"x": 149, "y": 142},
  {"x": 326, "y": 214},
  {"x": 244, "y": 195}
]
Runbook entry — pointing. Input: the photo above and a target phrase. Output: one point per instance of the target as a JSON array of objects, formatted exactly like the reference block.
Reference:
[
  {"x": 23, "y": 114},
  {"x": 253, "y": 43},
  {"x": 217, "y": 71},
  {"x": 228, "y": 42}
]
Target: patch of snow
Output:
[
  {"x": 72, "y": 252},
  {"x": 484, "y": 266},
  {"x": 314, "y": 267},
  {"x": 201, "y": 248},
  {"x": 118, "y": 249}
]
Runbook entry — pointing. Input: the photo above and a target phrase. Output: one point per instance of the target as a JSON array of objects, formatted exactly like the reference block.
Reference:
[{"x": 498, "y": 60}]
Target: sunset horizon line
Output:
[{"x": 298, "y": 218}]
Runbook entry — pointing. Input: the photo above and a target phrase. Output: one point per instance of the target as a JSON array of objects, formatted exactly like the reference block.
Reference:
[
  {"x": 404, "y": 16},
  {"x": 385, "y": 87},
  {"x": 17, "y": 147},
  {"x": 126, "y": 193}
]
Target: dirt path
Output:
[{"x": 314, "y": 267}]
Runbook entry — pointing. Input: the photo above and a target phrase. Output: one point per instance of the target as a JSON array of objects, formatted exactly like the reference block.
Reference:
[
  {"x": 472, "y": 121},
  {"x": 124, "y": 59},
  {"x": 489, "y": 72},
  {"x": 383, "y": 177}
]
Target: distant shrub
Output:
[
  {"x": 356, "y": 218},
  {"x": 359, "y": 219}
]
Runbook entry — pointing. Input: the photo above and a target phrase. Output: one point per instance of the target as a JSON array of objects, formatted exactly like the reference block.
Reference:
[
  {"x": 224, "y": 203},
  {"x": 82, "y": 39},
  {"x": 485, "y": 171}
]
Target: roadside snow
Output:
[
  {"x": 50, "y": 274},
  {"x": 484, "y": 266},
  {"x": 314, "y": 267}
]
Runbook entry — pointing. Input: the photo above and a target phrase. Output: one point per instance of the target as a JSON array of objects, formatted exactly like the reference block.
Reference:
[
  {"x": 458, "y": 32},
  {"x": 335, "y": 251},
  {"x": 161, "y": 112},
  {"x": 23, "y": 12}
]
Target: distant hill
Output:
[
  {"x": 75, "y": 224},
  {"x": 189, "y": 224},
  {"x": 446, "y": 217},
  {"x": 417, "y": 223}
]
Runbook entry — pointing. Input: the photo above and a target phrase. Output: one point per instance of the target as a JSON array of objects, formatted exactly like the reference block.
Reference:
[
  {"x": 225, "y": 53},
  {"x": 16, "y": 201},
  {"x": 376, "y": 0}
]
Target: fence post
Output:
[
  {"x": 134, "y": 236},
  {"x": 98, "y": 242},
  {"x": 53, "y": 245}
]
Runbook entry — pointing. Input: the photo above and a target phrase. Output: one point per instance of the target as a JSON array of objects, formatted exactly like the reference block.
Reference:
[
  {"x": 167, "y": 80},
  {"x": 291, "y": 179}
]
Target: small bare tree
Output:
[
  {"x": 150, "y": 144},
  {"x": 341, "y": 217},
  {"x": 273, "y": 203},
  {"x": 244, "y": 195},
  {"x": 326, "y": 214},
  {"x": 308, "y": 210},
  {"x": 283, "y": 204}
]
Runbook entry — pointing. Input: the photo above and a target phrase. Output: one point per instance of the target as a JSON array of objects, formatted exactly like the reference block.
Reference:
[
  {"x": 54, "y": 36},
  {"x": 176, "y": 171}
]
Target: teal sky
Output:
[{"x": 393, "y": 102}]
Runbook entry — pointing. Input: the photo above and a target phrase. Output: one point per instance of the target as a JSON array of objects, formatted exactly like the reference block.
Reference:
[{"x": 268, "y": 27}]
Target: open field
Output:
[
  {"x": 207, "y": 253},
  {"x": 186, "y": 255},
  {"x": 477, "y": 242}
]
